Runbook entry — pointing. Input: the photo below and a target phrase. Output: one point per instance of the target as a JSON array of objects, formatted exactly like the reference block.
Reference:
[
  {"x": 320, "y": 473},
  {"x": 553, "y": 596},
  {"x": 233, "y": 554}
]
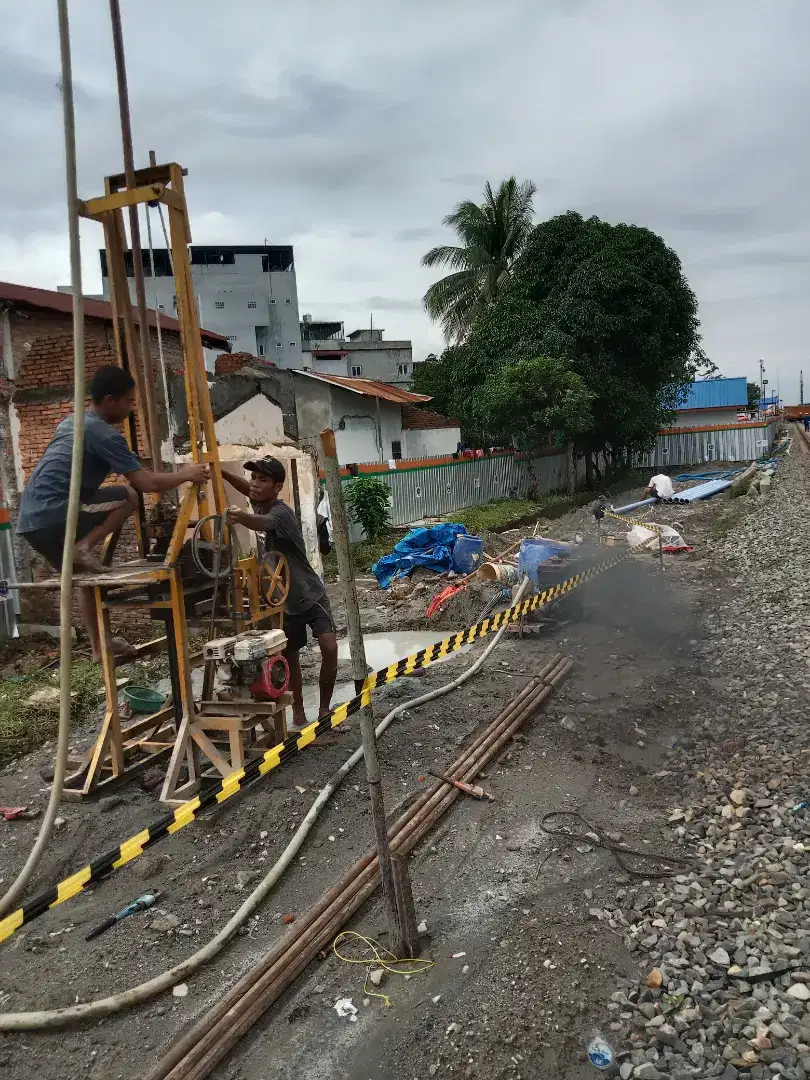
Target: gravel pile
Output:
[{"x": 725, "y": 946}]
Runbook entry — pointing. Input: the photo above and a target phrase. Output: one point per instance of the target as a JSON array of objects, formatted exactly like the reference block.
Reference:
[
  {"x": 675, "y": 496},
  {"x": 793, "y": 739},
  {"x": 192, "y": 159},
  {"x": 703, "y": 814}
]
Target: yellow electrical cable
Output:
[{"x": 378, "y": 960}]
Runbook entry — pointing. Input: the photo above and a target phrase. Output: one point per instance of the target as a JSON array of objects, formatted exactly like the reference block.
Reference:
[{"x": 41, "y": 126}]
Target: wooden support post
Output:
[
  {"x": 411, "y": 945},
  {"x": 340, "y": 535},
  {"x": 149, "y": 417}
]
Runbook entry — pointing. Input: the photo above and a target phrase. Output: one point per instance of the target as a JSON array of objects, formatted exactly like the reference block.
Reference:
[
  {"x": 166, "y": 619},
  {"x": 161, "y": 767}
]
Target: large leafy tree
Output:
[
  {"x": 609, "y": 300},
  {"x": 491, "y": 237},
  {"x": 529, "y": 400}
]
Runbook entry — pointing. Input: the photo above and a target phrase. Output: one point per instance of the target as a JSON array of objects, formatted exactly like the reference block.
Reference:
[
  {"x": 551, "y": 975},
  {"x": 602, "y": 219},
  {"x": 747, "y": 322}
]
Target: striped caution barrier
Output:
[
  {"x": 634, "y": 521},
  {"x": 183, "y": 815}
]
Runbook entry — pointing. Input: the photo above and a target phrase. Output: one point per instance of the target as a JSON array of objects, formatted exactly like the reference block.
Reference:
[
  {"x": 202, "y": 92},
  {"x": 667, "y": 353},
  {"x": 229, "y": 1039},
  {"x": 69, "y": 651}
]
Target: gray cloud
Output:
[
  {"x": 424, "y": 232},
  {"x": 296, "y": 124},
  {"x": 392, "y": 303}
]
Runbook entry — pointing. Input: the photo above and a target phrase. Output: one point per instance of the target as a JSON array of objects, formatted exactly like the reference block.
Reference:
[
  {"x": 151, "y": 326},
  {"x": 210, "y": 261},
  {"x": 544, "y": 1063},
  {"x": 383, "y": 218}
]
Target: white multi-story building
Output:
[
  {"x": 247, "y": 294},
  {"x": 363, "y": 354}
]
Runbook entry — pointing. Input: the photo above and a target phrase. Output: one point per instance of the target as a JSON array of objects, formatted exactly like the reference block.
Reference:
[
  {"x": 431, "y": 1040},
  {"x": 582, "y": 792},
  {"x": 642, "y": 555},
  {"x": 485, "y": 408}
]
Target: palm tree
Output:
[{"x": 492, "y": 237}]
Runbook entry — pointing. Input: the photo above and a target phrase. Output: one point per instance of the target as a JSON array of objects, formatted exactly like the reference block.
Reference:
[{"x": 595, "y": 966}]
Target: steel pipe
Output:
[{"x": 194, "y": 1055}]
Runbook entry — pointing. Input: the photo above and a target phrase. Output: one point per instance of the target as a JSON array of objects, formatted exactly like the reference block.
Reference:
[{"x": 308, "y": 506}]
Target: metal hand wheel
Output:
[
  {"x": 274, "y": 579},
  {"x": 223, "y": 546}
]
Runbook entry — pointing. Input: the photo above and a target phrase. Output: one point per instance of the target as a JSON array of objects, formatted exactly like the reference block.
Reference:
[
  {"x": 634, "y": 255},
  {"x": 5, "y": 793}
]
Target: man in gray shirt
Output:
[
  {"x": 42, "y": 516},
  {"x": 307, "y": 604}
]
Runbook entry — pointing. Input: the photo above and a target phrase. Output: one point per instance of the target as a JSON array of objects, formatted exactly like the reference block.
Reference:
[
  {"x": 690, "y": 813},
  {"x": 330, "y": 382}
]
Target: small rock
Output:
[
  {"x": 721, "y": 957},
  {"x": 244, "y": 877},
  {"x": 376, "y": 976},
  {"x": 181, "y": 990},
  {"x": 110, "y": 802},
  {"x": 422, "y": 928},
  {"x": 162, "y": 924},
  {"x": 799, "y": 991},
  {"x": 647, "y": 1071},
  {"x": 655, "y": 978},
  {"x": 634, "y": 791},
  {"x": 739, "y": 796}
]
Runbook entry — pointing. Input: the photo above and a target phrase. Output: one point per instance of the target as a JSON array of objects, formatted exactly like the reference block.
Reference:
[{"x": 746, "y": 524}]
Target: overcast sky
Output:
[{"x": 350, "y": 127}]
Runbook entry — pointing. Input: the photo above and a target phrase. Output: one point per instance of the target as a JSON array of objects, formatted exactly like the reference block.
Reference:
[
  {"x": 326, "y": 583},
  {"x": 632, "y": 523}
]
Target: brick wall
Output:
[
  {"x": 42, "y": 397},
  {"x": 230, "y": 363}
]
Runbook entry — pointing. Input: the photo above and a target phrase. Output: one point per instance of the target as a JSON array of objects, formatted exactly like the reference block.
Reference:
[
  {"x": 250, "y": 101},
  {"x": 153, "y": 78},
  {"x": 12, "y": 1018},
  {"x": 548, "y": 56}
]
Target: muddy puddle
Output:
[{"x": 381, "y": 650}]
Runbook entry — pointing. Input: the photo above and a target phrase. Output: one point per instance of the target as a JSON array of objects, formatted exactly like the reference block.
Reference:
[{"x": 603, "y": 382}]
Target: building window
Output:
[
  {"x": 357, "y": 371},
  {"x": 251, "y": 303},
  {"x": 287, "y": 301},
  {"x": 292, "y": 344},
  {"x": 278, "y": 345},
  {"x": 220, "y": 304},
  {"x": 162, "y": 307},
  {"x": 404, "y": 369},
  {"x": 261, "y": 350},
  {"x": 231, "y": 337},
  {"x": 272, "y": 301},
  {"x": 396, "y": 449}
]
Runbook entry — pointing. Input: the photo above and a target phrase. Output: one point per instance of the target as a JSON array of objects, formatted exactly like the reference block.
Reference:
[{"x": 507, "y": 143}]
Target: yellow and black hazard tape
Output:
[
  {"x": 278, "y": 755},
  {"x": 634, "y": 521}
]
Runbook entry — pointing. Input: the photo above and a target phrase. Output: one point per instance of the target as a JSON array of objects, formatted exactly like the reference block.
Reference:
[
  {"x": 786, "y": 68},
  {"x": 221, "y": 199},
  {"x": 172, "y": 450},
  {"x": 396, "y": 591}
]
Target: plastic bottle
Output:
[{"x": 600, "y": 1054}]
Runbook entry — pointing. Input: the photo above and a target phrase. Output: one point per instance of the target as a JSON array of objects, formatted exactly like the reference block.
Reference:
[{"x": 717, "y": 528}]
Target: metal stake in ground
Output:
[{"x": 340, "y": 537}]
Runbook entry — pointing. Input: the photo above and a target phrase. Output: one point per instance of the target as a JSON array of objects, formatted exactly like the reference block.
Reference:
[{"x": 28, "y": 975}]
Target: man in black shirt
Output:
[{"x": 307, "y": 603}]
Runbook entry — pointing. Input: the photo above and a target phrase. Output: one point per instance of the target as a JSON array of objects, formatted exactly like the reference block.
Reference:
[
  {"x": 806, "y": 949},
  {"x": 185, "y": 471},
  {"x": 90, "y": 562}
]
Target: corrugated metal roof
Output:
[
  {"x": 414, "y": 419},
  {"x": 94, "y": 309},
  {"x": 369, "y": 388},
  {"x": 716, "y": 394}
]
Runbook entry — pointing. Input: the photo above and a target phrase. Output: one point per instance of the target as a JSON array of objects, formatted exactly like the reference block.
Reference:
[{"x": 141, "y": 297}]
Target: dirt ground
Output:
[{"x": 490, "y": 882}]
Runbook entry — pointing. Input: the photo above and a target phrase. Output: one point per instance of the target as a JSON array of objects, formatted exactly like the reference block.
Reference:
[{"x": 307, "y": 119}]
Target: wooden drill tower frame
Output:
[{"x": 246, "y": 596}]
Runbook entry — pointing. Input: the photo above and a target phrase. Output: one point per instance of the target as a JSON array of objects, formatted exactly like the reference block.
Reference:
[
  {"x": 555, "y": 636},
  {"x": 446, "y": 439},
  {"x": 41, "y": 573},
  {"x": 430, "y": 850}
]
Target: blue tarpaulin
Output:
[{"x": 430, "y": 547}]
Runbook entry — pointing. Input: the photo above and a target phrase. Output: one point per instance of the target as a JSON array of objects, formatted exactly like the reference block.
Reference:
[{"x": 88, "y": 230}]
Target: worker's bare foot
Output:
[
  {"x": 299, "y": 721},
  {"x": 86, "y": 562}
]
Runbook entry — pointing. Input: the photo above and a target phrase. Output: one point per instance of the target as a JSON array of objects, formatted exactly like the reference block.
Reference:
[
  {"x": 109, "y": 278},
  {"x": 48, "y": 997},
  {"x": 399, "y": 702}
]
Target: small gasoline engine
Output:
[{"x": 250, "y": 665}]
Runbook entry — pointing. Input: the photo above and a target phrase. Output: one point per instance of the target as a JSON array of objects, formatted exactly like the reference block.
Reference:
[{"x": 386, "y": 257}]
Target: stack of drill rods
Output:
[{"x": 196, "y": 1054}]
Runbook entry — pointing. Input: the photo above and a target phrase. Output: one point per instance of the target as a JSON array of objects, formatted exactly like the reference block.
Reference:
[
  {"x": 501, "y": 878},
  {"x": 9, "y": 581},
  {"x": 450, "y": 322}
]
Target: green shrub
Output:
[{"x": 369, "y": 503}]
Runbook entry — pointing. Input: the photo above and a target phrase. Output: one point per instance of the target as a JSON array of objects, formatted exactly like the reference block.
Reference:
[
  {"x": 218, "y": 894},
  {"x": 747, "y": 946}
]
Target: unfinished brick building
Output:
[{"x": 36, "y": 390}]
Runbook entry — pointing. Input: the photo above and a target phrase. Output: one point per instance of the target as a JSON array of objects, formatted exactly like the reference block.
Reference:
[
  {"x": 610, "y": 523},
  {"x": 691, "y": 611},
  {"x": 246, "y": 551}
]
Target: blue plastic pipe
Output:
[
  {"x": 633, "y": 506},
  {"x": 700, "y": 491}
]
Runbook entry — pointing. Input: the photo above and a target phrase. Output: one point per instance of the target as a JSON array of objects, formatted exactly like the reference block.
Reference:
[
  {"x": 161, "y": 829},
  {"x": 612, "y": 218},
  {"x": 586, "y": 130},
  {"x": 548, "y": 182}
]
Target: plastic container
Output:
[
  {"x": 533, "y": 553},
  {"x": 468, "y": 551},
  {"x": 143, "y": 699},
  {"x": 599, "y": 1051},
  {"x": 503, "y": 573}
]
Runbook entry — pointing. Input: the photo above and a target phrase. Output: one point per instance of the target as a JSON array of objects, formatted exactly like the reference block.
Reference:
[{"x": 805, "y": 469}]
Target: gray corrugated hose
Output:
[
  {"x": 66, "y": 593},
  {"x": 52, "y": 1018}
]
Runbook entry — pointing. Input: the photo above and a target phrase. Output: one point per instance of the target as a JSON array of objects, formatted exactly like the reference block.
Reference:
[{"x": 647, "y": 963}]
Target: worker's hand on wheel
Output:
[
  {"x": 196, "y": 474},
  {"x": 234, "y": 516}
]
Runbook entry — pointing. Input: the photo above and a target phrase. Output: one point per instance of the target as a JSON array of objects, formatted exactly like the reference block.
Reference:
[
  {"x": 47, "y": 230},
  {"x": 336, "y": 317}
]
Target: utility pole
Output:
[
  {"x": 762, "y": 384},
  {"x": 801, "y": 387},
  {"x": 399, "y": 942}
]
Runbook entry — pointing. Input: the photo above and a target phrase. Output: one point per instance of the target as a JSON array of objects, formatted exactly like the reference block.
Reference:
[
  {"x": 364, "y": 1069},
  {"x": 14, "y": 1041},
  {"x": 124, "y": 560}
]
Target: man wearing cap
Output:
[{"x": 307, "y": 605}]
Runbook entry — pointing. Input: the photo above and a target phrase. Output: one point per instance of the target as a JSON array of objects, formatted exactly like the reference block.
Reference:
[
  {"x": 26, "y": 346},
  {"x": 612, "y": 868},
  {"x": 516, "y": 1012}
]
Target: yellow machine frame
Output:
[{"x": 184, "y": 730}]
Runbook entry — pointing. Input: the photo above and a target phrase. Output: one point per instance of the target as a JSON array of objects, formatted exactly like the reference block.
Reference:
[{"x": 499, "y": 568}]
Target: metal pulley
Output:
[{"x": 274, "y": 579}]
